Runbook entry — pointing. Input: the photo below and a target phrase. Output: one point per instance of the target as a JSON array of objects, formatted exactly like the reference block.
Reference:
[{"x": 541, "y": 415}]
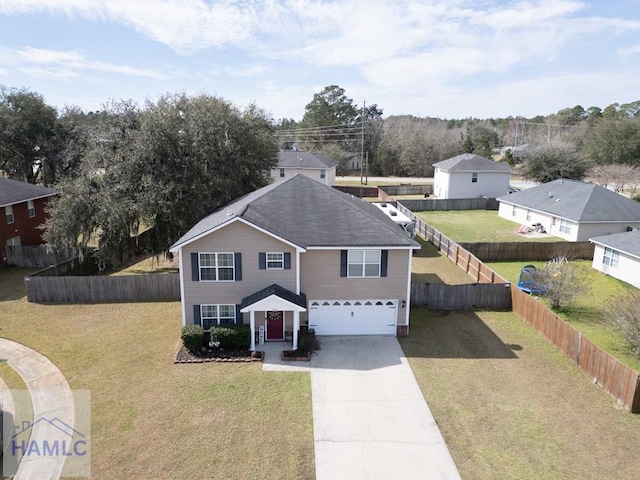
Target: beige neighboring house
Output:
[
  {"x": 572, "y": 210},
  {"x": 313, "y": 165},
  {"x": 470, "y": 176},
  {"x": 618, "y": 255},
  {"x": 293, "y": 253}
]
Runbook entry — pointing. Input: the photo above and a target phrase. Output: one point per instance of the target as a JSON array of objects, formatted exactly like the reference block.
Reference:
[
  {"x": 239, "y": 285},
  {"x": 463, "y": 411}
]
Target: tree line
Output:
[{"x": 167, "y": 163}]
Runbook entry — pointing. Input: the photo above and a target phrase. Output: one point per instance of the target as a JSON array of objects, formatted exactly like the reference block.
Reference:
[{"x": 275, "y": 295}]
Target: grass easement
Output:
[
  {"x": 477, "y": 226},
  {"x": 588, "y": 312},
  {"x": 153, "y": 419},
  {"x": 511, "y": 406}
]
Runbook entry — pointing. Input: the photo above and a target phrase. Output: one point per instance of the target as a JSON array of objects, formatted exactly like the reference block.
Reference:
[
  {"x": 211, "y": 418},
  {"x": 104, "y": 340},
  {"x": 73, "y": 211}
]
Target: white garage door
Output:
[{"x": 353, "y": 317}]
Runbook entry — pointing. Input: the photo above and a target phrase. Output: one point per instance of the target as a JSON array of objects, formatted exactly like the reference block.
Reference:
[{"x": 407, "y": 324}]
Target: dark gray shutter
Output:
[
  {"x": 195, "y": 267},
  {"x": 262, "y": 260},
  {"x": 383, "y": 262},
  {"x": 196, "y": 315},
  {"x": 343, "y": 263},
  {"x": 237, "y": 259},
  {"x": 287, "y": 261},
  {"x": 238, "y": 315}
]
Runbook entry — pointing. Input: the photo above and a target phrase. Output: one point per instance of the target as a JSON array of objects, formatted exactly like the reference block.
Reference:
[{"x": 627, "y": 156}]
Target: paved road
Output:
[
  {"x": 370, "y": 419},
  {"x": 51, "y": 398}
]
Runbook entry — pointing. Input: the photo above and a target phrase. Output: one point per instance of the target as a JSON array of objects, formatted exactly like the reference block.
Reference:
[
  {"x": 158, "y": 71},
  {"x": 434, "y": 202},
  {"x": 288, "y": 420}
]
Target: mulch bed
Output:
[
  {"x": 217, "y": 355},
  {"x": 296, "y": 356}
]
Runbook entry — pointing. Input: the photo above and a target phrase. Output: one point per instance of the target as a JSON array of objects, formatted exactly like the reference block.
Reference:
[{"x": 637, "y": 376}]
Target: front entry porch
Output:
[{"x": 272, "y": 305}]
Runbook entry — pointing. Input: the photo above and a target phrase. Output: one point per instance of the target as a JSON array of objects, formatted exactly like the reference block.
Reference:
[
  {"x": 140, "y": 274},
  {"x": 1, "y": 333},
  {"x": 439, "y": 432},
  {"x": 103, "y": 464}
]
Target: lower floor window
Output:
[
  {"x": 14, "y": 242},
  {"x": 214, "y": 315},
  {"x": 611, "y": 257}
]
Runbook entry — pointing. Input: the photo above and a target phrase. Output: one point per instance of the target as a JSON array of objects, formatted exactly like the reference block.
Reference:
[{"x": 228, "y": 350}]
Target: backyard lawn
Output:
[
  {"x": 478, "y": 226},
  {"x": 588, "y": 312},
  {"x": 151, "y": 418},
  {"x": 512, "y": 407},
  {"x": 430, "y": 266}
]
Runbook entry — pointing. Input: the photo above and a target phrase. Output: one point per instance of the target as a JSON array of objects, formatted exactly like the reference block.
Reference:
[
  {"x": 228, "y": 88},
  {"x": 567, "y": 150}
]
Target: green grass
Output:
[
  {"x": 511, "y": 406},
  {"x": 588, "y": 312},
  {"x": 151, "y": 418},
  {"x": 477, "y": 226},
  {"x": 149, "y": 264},
  {"x": 430, "y": 266}
]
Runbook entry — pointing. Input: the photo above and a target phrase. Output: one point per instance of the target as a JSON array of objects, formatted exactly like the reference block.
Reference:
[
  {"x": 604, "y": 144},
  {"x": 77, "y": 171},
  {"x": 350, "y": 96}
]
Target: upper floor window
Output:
[
  {"x": 8, "y": 211},
  {"x": 282, "y": 173},
  {"x": 323, "y": 174},
  {"x": 275, "y": 260},
  {"x": 474, "y": 177},
  {"x": 363, "y": 263},
  {"x": 216, "y": 267},
  {"x": 32, "y": 208},
  {"x": 610, "y": 257}
]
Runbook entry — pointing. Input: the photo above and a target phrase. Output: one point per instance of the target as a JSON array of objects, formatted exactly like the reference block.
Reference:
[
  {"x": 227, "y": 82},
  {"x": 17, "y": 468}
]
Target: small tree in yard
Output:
[
  {"x": 562, "y": 285},
  {"x": 624, "y": 315}
]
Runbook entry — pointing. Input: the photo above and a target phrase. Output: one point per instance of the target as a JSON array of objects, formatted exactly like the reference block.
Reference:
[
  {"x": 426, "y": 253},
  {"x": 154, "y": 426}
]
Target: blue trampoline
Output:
[{"x": 529, "y": 281}]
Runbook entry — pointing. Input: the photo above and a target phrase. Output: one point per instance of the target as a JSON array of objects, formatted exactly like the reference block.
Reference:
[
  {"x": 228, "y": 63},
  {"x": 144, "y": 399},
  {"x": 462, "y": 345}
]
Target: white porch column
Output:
[
  {"x": 252, "y": 317},
  {"x": 296, "y": 327}
]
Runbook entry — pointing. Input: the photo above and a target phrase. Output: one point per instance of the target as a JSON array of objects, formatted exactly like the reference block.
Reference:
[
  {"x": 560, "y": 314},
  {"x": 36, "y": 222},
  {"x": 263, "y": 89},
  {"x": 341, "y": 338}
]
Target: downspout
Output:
[{"x": 182, "y": 298}]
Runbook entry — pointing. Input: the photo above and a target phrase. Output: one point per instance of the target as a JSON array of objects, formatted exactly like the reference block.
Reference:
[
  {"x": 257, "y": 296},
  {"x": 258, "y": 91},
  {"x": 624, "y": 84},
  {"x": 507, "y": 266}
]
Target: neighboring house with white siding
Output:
[
  {"x": 572, "y": 210},
  {"x": 618, "y": 255},
  {"x": 297, "y": 252},
  {"x": 313, "y": 165},
  {"x": 470, "y": 176}
]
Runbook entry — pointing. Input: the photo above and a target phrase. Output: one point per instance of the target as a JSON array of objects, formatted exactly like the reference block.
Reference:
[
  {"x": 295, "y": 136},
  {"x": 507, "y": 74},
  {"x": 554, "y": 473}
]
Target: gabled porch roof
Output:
[{"x": 274, "y": 298}]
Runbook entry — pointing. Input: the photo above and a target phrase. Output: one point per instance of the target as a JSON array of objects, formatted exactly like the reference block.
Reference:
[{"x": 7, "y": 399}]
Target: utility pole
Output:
[{"x": 363, "y": 169}]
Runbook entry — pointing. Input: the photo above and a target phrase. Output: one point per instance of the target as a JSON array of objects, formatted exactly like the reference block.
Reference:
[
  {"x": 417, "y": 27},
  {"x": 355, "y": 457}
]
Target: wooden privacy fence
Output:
[
  {"x": 96, "y": 289},
  {"x": 514, "y": 251},
  {"x": 433, "y": 204},
  {"x": 617, "y": 379},
  {"x": 32, "y": 256},
  {"x": 461, "y": 297},
  {"x": 357, "y": 190}
]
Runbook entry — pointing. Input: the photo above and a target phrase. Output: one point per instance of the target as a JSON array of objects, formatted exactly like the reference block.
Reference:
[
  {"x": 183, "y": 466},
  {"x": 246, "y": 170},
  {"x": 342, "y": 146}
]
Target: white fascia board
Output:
[
  {"x": 229, "y": 222},
  {"x": 358, "y": 247},
  {"x": 273, "y": 303}
]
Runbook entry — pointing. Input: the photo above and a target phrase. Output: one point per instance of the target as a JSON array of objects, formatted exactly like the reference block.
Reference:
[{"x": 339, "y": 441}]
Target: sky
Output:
[{"x": 436, "y": 58}]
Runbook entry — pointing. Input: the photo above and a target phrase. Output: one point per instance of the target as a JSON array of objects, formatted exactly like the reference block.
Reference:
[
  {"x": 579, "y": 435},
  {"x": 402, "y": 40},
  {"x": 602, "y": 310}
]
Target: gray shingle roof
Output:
[
  {"x": 14, "y": 191},
  {"x": 295, "y": 159},
  {"x": 308, "y": 213},
  {"x": 275, "y": 289},
  {"x": 469, "y": 162},
  {"x": 626, "y": 242},
  {"x": 577, "y": 201}
]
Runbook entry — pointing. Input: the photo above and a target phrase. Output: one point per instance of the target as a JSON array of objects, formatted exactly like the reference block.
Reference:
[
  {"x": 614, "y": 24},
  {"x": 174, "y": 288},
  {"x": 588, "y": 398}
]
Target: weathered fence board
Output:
[
  {"x": 461, "y": 297},
  {"x": 542, "y": 251},
  {"x": 96, "y": 289},
  {"x": 32, "y": 256},
  {"x": 434, "y": 204}
]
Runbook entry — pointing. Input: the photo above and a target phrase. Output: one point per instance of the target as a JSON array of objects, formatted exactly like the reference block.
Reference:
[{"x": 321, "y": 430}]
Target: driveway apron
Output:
[{"x": 370, "y": 418}]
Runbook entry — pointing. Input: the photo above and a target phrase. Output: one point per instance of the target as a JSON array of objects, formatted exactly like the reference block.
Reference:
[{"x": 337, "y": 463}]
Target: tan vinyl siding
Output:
[
  {"x": 320, "y": 279},
  {"x": 238, "y": 238}
]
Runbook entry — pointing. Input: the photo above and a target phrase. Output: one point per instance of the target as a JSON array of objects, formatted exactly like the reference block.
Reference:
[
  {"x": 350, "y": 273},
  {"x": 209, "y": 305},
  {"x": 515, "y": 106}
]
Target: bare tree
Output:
[
  {"x": 619, "y": 176},
  {"x": 561, "y": 284},
  {"x": 625, "y": 317}
]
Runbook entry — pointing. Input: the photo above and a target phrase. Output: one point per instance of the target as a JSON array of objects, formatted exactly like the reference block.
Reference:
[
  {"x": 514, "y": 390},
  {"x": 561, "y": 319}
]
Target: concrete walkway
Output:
[
  {"x": 370, "y": 418},
  {"x": 51, "y": 398}
]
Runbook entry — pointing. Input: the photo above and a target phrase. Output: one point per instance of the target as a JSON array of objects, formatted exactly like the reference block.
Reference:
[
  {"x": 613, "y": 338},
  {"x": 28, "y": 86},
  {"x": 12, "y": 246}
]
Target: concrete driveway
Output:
[{"x": 370, "y": 419}]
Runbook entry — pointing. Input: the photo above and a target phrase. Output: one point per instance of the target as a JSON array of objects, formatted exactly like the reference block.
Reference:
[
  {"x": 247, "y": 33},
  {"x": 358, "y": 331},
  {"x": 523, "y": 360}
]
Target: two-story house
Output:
[
  {"x": 313, "y": 165},
  {"x": 297, "y": 252},
  {"x": 22, "y": 211},
  {"x": 470, "y": 176}
]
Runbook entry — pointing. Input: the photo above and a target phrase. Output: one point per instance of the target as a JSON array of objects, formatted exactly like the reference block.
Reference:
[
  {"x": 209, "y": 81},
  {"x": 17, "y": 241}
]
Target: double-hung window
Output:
[
  {"x": 216, "y": 267},
  {"x": 8, "y": 211},
  {"x": 213, "y": 315},
  {"x": 528, "y": 215},
  {"x": 565, "y": 226},
  {"x": 474, "y": 177},
  {"x": 323, "y": 173},
  {"x": 514, "y": 211},
  {"x": 282, "y": 173},
  {"x": 31, "y": 208},
  {"x": 610, "y": 257},
  {"x": 275, "y": 260},
  {"x": 363, "y": 263}
]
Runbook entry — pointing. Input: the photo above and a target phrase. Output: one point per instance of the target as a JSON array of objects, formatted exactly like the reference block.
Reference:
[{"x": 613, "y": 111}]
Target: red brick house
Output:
[{"x": 21, "y": 213}]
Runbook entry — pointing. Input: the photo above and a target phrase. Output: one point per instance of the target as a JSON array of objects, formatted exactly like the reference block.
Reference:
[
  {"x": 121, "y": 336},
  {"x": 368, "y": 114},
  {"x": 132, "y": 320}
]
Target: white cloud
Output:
[
  {"x": 629, "y": 50},
  {"x": 56, "y": 64}
]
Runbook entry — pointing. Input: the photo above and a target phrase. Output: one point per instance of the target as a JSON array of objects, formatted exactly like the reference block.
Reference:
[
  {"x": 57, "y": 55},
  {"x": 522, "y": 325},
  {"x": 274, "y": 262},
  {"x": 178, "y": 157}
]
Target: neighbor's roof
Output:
[
  {"x": 577, "y": 201},
  {"x": 307, "y": 213},
  {"x": 469, "y": 162},
  {"x": 296, "y": 159},
  {"x": 626, "y": 242},
  {"x": 14, "y": 191}
]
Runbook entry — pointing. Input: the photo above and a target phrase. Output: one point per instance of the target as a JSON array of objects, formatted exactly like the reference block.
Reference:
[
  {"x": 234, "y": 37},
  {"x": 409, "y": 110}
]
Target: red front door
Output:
[{"x": 275, "y": 326}]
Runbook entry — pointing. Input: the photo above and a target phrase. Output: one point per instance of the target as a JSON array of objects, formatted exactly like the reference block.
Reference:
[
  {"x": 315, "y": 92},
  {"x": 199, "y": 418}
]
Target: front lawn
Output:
[
  {"x": 588, "y": 312},
  {"x": 474, "y": 226},
  {"x": 153, "y": 419},
  {"x": 511, "y": 406}
]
